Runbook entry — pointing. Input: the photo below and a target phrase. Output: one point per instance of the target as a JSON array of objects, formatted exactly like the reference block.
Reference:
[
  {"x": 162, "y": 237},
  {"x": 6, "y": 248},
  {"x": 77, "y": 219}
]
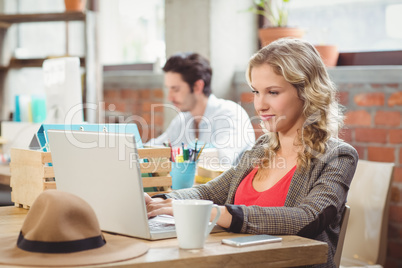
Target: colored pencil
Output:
[{"x": 202, "y": 148}]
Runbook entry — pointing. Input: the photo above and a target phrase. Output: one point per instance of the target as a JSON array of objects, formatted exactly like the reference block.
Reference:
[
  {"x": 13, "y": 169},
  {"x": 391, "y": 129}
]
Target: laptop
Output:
[{"x": 103, "y": 169}]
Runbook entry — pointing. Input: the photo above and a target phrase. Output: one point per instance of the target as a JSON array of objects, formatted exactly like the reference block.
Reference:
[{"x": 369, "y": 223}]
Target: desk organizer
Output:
[{"x": 31, "y": 173}]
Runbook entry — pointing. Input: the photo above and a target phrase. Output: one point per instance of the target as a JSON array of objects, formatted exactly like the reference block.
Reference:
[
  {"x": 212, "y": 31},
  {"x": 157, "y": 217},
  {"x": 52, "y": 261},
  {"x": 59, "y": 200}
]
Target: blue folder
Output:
[{"x": 113, "y": 128}]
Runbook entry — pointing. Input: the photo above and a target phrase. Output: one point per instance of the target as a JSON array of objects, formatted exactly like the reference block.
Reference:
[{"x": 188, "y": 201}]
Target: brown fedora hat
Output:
[{"x": 61, "y": 229}]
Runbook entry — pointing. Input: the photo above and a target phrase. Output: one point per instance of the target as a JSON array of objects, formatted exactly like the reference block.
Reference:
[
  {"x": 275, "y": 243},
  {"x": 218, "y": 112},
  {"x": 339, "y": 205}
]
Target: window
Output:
[
  {"x": 353, "y": 25},
  {"x": 44, "y": 39},
  {"x": 131, "y": 31}
]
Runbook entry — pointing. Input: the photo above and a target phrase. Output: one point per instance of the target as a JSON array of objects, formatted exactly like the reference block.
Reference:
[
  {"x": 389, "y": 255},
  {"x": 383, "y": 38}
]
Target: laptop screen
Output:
[{"x": 103, "y": 169}]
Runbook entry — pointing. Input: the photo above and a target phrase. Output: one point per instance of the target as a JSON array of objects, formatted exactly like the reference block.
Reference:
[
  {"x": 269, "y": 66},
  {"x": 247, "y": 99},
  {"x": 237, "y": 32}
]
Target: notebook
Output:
[{"x": 103, "y": 169}]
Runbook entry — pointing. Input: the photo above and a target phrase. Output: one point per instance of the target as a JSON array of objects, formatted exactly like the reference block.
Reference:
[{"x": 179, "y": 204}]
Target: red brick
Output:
[
  {"x": 371, "y": 135},
  {"x": 109, "y": 106},
  {"x": 395, "y": 194},
  {"x": 397, "y": 174},
  {"x": 381, "y": 154},
  {"x": 146, "y": 133},
  {"x": 157, "y": 94},
  {"x": 343, "y": 97},
  {"x": 120, "y": 106},
  {"x": 395, "y": 136},
  {"x": 377, "y": 86},
  {"x": 387, "y": 118},
  {"x": 370, "y": 99},
  {"x": 135, "y": 109},
  {"x": 146, "y": 106},
  {"x": 145, "y": 94},
  {"x": 358, "y": 118},
  {"x": 130, "y": 118},
  {"x": 111, "y": 94},
  {"x": 147, "y": 118},
  {"x": 158, "y": 120},
  {"x": 246, "y": 97},
  {"x": 346, "y": 134},
  {"x": 395, "y": 214},
  {"x": 157, "y": 107},
  {"x": 130, "y": 94},
  {"x": 395, "y": 99},
  {"x": 140, "y": 131},
  {"x": 115, "y": 106},
  {"x": 395, "y": 85},
  {"x": 351, "y": 86},
  {"x": 115, "y": 117}
]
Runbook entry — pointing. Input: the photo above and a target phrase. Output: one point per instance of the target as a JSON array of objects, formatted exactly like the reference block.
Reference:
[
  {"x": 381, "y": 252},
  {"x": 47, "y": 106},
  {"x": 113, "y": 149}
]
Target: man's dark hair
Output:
[{"x": 192, "y": 67}]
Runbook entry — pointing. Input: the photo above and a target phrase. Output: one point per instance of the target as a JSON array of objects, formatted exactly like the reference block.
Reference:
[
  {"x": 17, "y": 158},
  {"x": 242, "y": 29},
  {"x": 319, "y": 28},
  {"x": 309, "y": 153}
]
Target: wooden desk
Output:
[{"x": 292, "y": 251}]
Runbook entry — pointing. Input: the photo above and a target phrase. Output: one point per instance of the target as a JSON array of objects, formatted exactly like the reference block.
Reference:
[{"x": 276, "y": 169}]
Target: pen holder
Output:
[{"x": 183, "y": 174}]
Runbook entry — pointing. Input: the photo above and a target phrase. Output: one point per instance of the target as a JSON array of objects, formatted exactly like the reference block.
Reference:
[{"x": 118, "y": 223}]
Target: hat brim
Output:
[{"x": 117, "y": 248}]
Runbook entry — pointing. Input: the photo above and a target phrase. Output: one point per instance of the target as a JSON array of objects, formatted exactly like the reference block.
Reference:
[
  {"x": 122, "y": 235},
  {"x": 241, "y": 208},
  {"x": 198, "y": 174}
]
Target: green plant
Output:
[{"x": 276, "y": 11}]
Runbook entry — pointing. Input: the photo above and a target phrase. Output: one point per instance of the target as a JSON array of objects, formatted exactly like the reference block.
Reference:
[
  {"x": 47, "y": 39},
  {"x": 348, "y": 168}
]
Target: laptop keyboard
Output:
[
  {"x": 160, "y": 226},
  {"x": 161, "y": 223}
]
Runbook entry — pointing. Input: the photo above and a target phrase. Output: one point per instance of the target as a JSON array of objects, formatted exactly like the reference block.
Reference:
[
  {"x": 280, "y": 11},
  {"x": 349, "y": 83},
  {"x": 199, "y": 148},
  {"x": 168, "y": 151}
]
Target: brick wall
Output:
[
  {"x": 373, "y": 127},
  {"x": 135, "y": 98}
]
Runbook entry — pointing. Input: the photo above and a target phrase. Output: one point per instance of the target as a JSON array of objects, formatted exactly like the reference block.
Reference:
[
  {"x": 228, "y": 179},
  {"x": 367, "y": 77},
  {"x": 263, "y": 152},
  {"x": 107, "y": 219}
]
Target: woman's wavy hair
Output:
[{"x": 300, "y": 64}]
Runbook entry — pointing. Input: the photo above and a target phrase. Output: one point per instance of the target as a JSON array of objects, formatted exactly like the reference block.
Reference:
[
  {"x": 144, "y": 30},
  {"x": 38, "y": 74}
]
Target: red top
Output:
[{"x": 273, "y": 197}]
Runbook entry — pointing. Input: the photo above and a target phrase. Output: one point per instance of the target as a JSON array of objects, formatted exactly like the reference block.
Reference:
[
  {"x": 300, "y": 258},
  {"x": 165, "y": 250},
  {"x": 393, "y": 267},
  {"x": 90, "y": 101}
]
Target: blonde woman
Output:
[{"x": 296, "y": 178}]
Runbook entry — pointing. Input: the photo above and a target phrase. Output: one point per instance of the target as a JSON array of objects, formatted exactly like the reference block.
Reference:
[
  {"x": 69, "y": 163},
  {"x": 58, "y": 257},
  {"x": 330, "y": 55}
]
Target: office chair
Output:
[
  {"x": 344, "y": 224},
  {"x": 366, "y": 235}
]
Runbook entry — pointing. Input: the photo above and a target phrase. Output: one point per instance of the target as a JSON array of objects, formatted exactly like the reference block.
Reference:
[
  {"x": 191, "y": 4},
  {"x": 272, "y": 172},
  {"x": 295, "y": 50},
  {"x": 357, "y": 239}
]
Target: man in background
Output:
[{"x": 222, "y": 124}]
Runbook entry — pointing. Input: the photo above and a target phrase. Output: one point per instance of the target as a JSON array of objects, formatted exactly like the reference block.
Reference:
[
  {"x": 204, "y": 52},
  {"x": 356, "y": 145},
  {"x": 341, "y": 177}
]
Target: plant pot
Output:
[
  {"x": 267, "y": 35},
  {"x": 74, "y": 5},
  {"x": 329, "y": 54}
]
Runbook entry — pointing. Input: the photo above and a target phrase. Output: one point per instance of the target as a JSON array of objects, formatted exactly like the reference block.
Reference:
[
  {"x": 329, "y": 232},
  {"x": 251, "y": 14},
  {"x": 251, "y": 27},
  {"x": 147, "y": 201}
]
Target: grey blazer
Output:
[{"x": 313, "y": 206}]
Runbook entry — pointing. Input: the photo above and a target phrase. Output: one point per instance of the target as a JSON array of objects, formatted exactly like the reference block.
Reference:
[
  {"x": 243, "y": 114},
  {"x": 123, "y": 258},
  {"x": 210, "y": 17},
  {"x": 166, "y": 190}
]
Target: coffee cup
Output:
[{"x": 192, "y": 222}]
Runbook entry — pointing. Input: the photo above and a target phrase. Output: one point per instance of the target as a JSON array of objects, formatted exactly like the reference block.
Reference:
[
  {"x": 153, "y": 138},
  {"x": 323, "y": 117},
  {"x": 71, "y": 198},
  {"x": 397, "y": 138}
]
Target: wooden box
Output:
[{"x": 31, "y": 173}]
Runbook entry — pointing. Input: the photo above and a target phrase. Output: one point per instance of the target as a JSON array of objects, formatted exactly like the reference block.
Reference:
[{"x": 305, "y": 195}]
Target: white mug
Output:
[{"x": 192, "y": 221}]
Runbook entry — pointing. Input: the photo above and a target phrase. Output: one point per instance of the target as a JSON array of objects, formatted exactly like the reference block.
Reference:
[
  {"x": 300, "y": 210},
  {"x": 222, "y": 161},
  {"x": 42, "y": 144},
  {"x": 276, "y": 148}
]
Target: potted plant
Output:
[
  {"x": 74, "y": 5},
  {"x": 276, "y": 14},
  {"x": 329, "y": 53}
]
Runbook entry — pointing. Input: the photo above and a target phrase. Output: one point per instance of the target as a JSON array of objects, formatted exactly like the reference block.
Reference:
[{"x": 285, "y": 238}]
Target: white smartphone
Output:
[{"x": 251, "y": 240}]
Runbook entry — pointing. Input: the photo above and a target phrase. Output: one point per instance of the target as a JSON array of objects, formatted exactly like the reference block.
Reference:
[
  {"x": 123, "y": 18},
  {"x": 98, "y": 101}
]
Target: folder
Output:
[{"x": 42, "y": 138}]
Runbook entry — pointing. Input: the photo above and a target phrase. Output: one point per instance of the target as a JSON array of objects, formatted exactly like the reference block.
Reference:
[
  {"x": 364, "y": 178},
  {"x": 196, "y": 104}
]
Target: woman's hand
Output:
[
  {"x": 225, "y": 219},
  {"x": 158, "y": 206}
]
